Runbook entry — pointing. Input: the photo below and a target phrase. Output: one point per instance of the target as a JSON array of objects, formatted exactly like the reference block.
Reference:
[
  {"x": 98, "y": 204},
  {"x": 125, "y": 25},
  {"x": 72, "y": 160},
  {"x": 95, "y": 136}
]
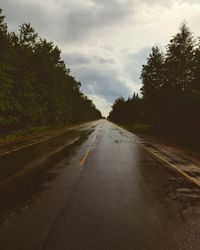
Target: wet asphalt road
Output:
[{"x": 95, "y": 188}]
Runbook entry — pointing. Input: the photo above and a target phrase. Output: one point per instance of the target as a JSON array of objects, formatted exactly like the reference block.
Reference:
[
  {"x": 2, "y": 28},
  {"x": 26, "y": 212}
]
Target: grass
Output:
[
  {"x": 146, "y": 130},
  {"x": 18, "y": 133},
  {"x": 34, "y": 130},
  {"x": 140, "y": 128}
]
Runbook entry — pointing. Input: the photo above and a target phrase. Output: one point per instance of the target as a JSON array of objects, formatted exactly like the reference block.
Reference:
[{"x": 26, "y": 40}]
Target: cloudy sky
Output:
[{"x": 105, "y": 42}]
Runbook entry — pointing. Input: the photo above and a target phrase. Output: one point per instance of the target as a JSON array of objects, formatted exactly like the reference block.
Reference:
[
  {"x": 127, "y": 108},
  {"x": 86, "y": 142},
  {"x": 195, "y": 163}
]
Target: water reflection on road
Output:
[{"x": 101, "y": 192}]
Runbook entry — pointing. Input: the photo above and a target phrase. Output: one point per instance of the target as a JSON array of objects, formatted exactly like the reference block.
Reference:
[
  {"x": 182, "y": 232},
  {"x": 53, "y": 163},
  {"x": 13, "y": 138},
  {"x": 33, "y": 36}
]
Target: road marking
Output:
[
  {"x": 84, "y": 158},
  {"x": 87, "y": 153},
  {"x": 159, "y": 157},
  {"x": 190, "y": 178},
  {"x": 40, "y": 141},
  {"x": 23, "y": 147}
]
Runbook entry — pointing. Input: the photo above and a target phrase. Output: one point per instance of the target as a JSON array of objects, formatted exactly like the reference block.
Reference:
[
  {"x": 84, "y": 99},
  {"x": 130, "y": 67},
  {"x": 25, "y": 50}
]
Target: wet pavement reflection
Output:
[
  {"x": 101, "y": 192},
  {"x": 23, "y": 172}
]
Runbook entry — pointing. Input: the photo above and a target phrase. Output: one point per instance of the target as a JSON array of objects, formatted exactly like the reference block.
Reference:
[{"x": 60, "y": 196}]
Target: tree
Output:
[
  {"x": 3, "y": 35},
  {"x": 126, "y": 111},
  {"x": 170, "y": 89},
  {"x": 178, "y": 80},
  {"x": 117, "y": 113},
  {"x": 8, "y": 104},
  {"x": 36, "y": 88},
  {"x": 178, "y": 63},
  {"x": 152, "y": 77},
  {"x": 27, "y": 36},
  {"x": 196, "y": 68}
]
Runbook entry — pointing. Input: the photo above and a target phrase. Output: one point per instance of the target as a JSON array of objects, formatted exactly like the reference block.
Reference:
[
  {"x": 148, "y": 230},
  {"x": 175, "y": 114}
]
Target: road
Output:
[{"x": 95, "y": 187}]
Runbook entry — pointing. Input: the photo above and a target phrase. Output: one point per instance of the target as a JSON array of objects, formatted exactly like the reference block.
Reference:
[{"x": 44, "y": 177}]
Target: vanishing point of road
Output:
[{"x": 94, "y": 187}]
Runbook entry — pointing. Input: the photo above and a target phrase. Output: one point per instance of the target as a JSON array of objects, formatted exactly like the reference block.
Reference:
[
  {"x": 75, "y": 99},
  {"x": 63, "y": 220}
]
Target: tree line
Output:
[
  {"x": 170, "y": 92},
  {"x": 36, "y": 87}
]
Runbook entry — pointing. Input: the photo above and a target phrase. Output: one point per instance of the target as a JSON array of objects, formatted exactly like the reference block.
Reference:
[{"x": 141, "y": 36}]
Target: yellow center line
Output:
[
  {"x": 84, "y": 158},
  {"x": 87, "y": 153}
]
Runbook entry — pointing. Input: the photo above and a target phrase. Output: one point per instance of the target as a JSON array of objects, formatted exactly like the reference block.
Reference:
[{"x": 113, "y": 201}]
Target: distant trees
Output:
[
  {"x": 126, "y": 111},
  {"x": 170, "y": 90},
  {"x": 36, "y": 88}
]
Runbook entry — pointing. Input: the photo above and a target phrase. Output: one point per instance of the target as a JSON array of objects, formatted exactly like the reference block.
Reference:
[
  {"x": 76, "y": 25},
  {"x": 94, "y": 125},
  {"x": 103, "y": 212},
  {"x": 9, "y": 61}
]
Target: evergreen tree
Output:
[
  {"x": 178, "y": 62},
  {"x": 36, "y": 88},
  {"x": 178, "y": 80},
  {"x": 170, "y": 89},
  {"x": 152, "y": 77},
  {"x": 7, "y": 103},
  {"x": 196, "y": 68}
]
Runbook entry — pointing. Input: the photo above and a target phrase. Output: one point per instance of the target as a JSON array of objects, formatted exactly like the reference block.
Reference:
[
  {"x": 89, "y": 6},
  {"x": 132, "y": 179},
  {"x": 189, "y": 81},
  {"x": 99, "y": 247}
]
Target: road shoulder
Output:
[{"x": 178, "y": 159}]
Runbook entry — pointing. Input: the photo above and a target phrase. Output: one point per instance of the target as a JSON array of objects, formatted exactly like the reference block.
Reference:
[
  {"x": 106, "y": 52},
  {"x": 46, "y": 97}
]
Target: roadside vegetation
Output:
[
  {"x": 170, "y": 94},
  {"x": 36, "y": 88}
]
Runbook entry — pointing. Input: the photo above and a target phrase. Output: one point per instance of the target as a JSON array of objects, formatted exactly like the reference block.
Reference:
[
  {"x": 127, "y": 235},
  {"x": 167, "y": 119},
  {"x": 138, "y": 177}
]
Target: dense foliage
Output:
[
  {"x": 170, "y": 90},
  {"x": 36, "y": 88}
]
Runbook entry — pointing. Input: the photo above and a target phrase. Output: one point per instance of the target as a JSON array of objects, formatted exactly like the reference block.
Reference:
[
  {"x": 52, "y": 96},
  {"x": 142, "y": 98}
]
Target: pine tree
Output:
[
  {"x": 178, "y": 63},
  {"x": 8, "y": 104},
  {"x": 152, "y": 74},
  {"x": 196, "y": 68},
  {"x": 36, "y": 88},
  {"x": 153, "y": 80}
]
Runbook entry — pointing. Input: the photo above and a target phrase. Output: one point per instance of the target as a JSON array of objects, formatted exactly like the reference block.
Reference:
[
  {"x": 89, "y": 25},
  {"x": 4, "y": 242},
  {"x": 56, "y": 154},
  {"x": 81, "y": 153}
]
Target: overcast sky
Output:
[{"x": 105, "y": 42}]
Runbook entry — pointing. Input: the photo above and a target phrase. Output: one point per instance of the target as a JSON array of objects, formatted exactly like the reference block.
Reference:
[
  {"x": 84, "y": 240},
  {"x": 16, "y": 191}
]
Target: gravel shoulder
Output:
[{"x": 183, "y": 160}]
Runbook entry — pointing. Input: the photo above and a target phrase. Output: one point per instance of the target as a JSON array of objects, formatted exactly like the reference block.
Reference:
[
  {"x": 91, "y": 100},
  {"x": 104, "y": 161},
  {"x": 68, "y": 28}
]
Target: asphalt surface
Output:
[{"x": 95, "y": 187}]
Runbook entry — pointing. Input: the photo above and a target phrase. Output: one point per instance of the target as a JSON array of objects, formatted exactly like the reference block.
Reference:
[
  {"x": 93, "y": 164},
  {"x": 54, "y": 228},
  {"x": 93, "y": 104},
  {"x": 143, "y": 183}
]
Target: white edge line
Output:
[{"x": 191, "y": 179}]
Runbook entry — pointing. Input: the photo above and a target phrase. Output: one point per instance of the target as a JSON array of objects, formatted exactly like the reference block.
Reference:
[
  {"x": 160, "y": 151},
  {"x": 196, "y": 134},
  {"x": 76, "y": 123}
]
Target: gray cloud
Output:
[
  {"x": 18, "y": 12},
  {"x": 21, "y": 11},
  {"x": 136, "y": 60},
  {"x": 81, "y": 59},
  {"x": 76, "y": 59},
  {"x": 82, "y": 20},
  {"x": 69, "y": 20},
  {"x": 104, "y": 42},
  {"x": 97, "y": 76},
  {"x": 106, "y": 85},
  {"x": 164, "y": 3}
]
